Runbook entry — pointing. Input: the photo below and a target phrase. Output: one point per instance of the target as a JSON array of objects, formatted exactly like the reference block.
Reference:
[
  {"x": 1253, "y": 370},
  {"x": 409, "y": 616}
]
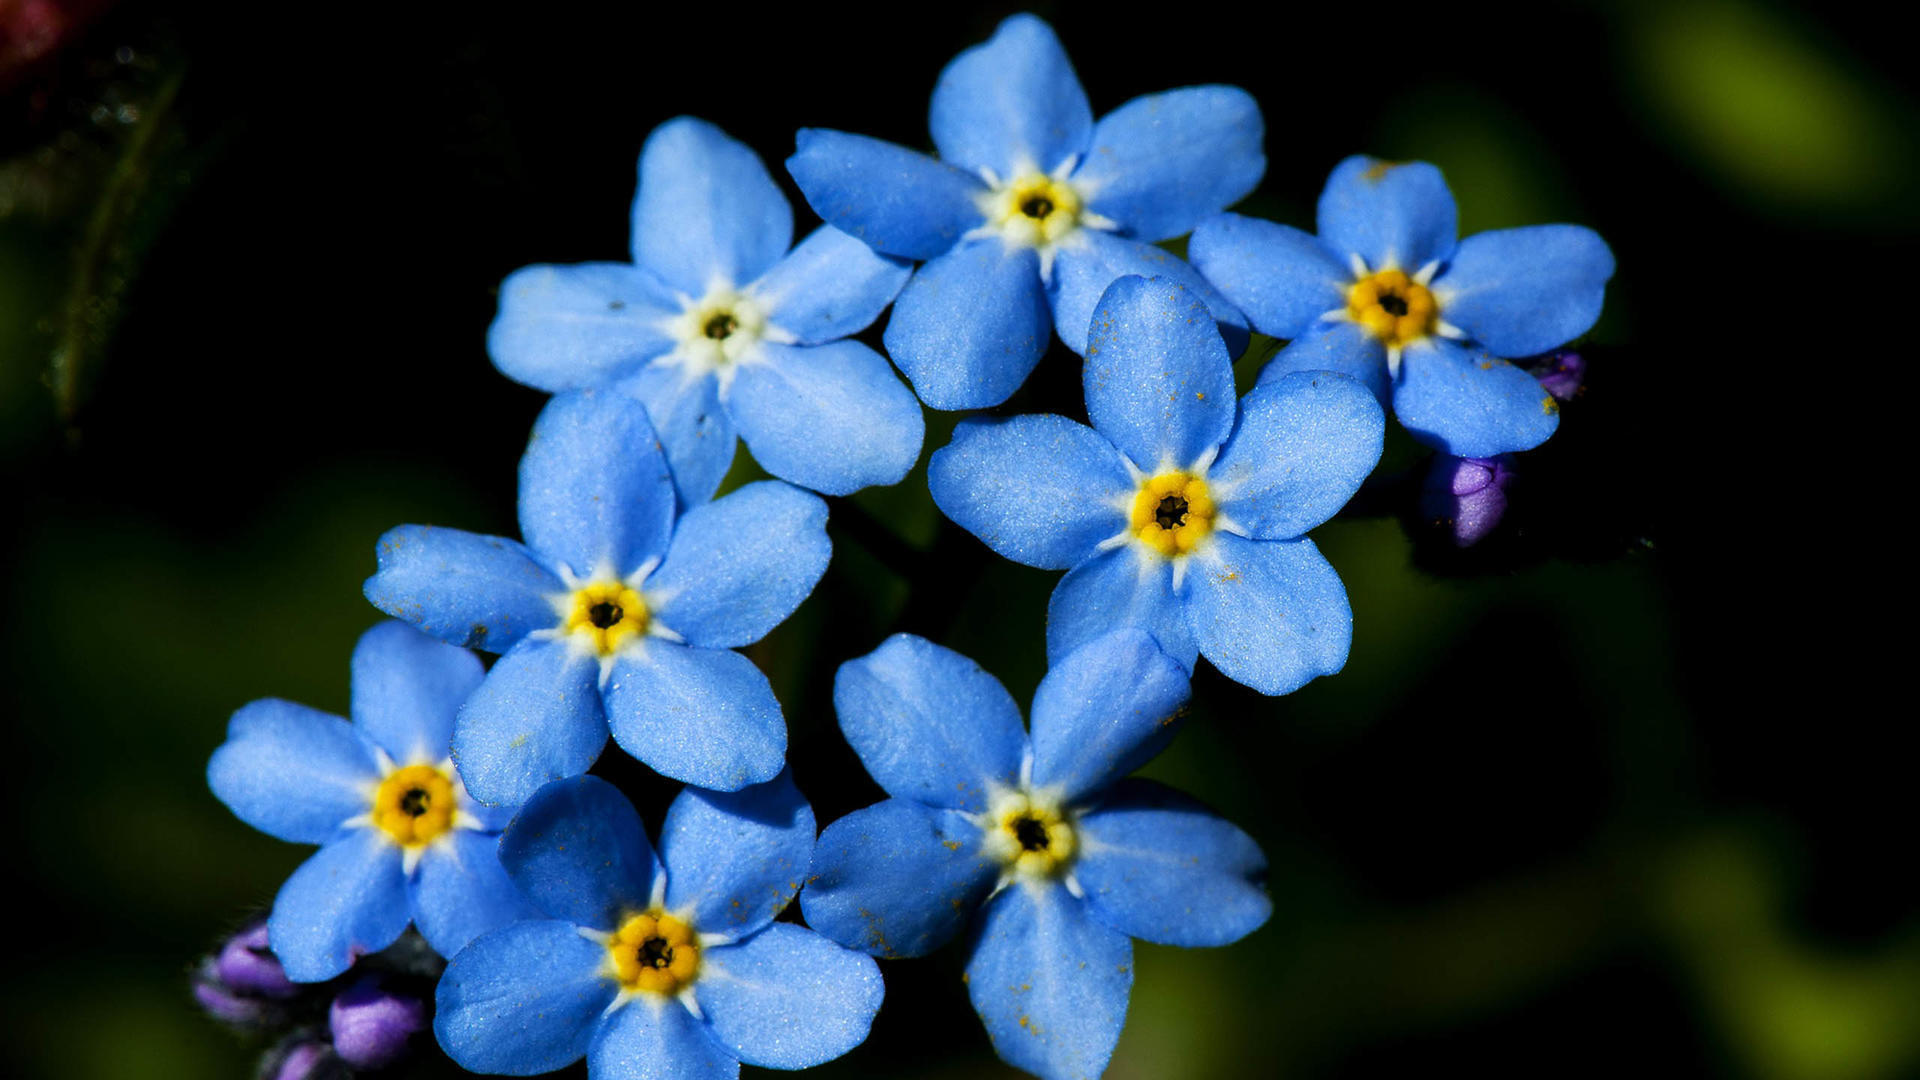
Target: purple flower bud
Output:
[
  {"x": 1467, "y": 495},
  {"x": 1560, "y": 373},
  {"x": 306, "y": 1061},
  {"x": 247, "y": 966},
  {"x": 226, "y": 1006},
  {"x": 371, "y": 1025}
]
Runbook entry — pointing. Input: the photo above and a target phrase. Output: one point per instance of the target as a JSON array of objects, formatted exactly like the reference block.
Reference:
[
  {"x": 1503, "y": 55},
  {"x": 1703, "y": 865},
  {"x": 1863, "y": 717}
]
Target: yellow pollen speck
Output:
[
  {"x": 609, "y": 613},
  {"x": 1549, "y": 406},
  {"x": 1393, "y": 307},
  {"x": 654, "y": 952},
  {"x": 1172, "y": 513},
  {"x": 414, "y": 805}
]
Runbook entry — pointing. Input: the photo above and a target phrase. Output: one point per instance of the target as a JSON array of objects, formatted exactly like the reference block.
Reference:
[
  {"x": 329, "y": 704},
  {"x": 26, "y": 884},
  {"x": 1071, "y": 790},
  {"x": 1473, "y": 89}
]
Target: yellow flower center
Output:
[
  {"x": 1030, "y": 835},
  {"x": 414, "y": 805},
  {"x": 654, "y": 952},
  {"x": 1393, "y": 307},
  {"x": 1034, "y": 208},
  {"x": 1172, "y": 513},
  {"x": 609, "y": 613}
]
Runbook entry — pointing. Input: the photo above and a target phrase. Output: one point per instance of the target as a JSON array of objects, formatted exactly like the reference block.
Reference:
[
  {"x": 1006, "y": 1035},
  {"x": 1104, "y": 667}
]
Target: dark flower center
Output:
[
  {"x": 1394, "y": 304},
  {"x": 721, "y": 326},
  {"x": 1171, "y": 513},
  {"x": 1036, "y": 207},
  {"x": 604, "y": 614},
  {"x": 1031, "y": 834},
  {"x": 415, "y": 802},
  {"x": 654, "y": 952}
]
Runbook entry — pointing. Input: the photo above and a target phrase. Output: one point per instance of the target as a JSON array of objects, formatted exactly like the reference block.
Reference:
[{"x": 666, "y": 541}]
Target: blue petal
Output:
[
  {"x": 1282, "y": 278},
  {"x": 536, "y": 718},
  {"x": 577, "y": 850},
  {"x": 1050, "y": 983},
  {"x": 900, "y": 201},
  {"x": 1342, "y": 348},
  {"x": 691, "y": 424},
  {"x": 294, "y": 773},
  {"x": 830, "y": 286},
  {"x": 461, "y": 891},
  {"x": 897, "y": 878},
  {"x": 1390, "y": 214},
  {"x": 347, "y": 900},
  {"x": 653, "y": 1038},
  {"x": 1011, "y": 104},
  {"x": 1084, "y": 269},
  {"x": 1159, "y": 866},
  {"x": 787, "y": 998},
  {"x": 595, "y": 491},
  {"x": 700, "y": 716},
  {"x": 1304, "y": 444},
  {"x": 734, "y": 859},
  {"x": 484, "y": 592},
  {"x": 1122, "y": 587},
  {"x": 1162, "y": 162},
  {"x": 523, "y": 999},
  {"x": 574, "y": 327},
  {"x": 707, "y": 209},
  {"x": 1158, "y": 380},
  {"x": 1041, "y": 490},
  {"x": 1470, "y": 404},
  {"x": 970, "y": 325},
  {"x": 739, "y": 565},
  {"x": 1524, "y": 291},
  {"x": 1270, "y": 614},
  {"x": 1104, "y": 710},
  {"x": 928, "y": 723},
  {"x": 407, "y": 687},
  {"x": 831, "y": 417}
]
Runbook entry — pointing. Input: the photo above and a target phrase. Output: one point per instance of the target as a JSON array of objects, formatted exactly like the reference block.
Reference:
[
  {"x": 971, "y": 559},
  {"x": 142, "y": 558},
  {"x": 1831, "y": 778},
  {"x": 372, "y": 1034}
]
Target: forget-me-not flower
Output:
[
  {"x": 1063, "y": 860},
  {"x": 720, "y": 329},
  {"x": 400, "y": 839},
  {"x": 656, "y": 967},
  {"x": 616, "y": 611},
  {"x": 1032, "y": 209},
  {"x": 1178, "y": 511},
  {"x": 1388, "y": 295}
]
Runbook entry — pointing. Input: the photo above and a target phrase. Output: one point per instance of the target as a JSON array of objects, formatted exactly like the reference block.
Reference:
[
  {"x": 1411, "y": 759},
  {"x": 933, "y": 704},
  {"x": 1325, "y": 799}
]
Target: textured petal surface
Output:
[
  {"x": 897, "y": 878},
  {"x": 1161, "y": 163},
  {"x": 700, "y": 716},
  {"x": 484, "y": 592},
  {"x": 1161, "y": 867},
  {"x": 1104, "y": 710},
  {"x": 573, "y": 327},
  {"x": 595, "y": 491},
  {"x": 523, "y": 999},
  {"x": 294, "y": 773},
  {"x": 407, "y": 687},
  {"x": 1158, "y": 380},
  {"x": 1470, "y": 404},
  {"x": 833, "y": 417},
  {"x": 579, "y": 853},
  {"x": 1041, "y": 490},
  {"x": 707, "y": 209},
  {"x": 929, "y": 724},
  {"x": 787, "y": 998},
  {"x": 897, "y": 200},
  {"x": 348, "y": 899},
  {"x": 1523, "y": 291},
  {"x": 1342, "y": 348},
  {"x": 658, "y": 1039},
  {"x": 461, "y": 891},
  {"x": 1115, "y": 589},
  {"x": 1304, "y": 444},
  {"x": 1049, "y": 982},
  {"x": 969, "y": 327},
  {"x": 735, "y": 858},
  {"x": 829, "y": 286},
  {"x": 1012, "y": 103},
  {"x": 1281, "y": 278},
  {"x": 739, "y": 565},
  {"x": 691, "y": 424},
  {"x": 1388, "y": 213},
  {"x": 1270, "y": 614},
  {"x": 536, "y": 718},
  {"x": 1084, "y": 269}
]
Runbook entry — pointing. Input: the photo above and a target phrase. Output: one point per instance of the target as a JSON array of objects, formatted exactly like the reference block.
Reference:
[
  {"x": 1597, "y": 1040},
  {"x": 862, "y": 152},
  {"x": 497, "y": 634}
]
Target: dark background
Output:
[{"x": 1617, "y": 792}]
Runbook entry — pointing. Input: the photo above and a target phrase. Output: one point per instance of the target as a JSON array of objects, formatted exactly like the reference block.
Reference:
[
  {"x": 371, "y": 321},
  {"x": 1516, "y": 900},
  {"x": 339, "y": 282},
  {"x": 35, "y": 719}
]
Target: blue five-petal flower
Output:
[
  {"x": 1389, "y": 229},
  {"x": 1063, "y": 860},
  {"x": 400, "y": 839},
  {"x": 616, "y": 612},
  {"x": 1032, "y": 208},
  {"x": 656, "y": 966},
  {"x": 719, "y": 329}
]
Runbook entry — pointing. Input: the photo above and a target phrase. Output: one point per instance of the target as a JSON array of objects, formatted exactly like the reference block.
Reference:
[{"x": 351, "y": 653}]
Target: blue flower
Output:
[
  {"x": 1063, "y": 859},
  {"x": 1032, "y": 209},
  {"x": 1387, "y": 295},
  {"x": 1177, "y": 511},
  {"x": 400, "y": 839},
  {"x": 719, "y": 329},
  {"x": 656, "y": 966},
  {"x": 614, "y": 612}
]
